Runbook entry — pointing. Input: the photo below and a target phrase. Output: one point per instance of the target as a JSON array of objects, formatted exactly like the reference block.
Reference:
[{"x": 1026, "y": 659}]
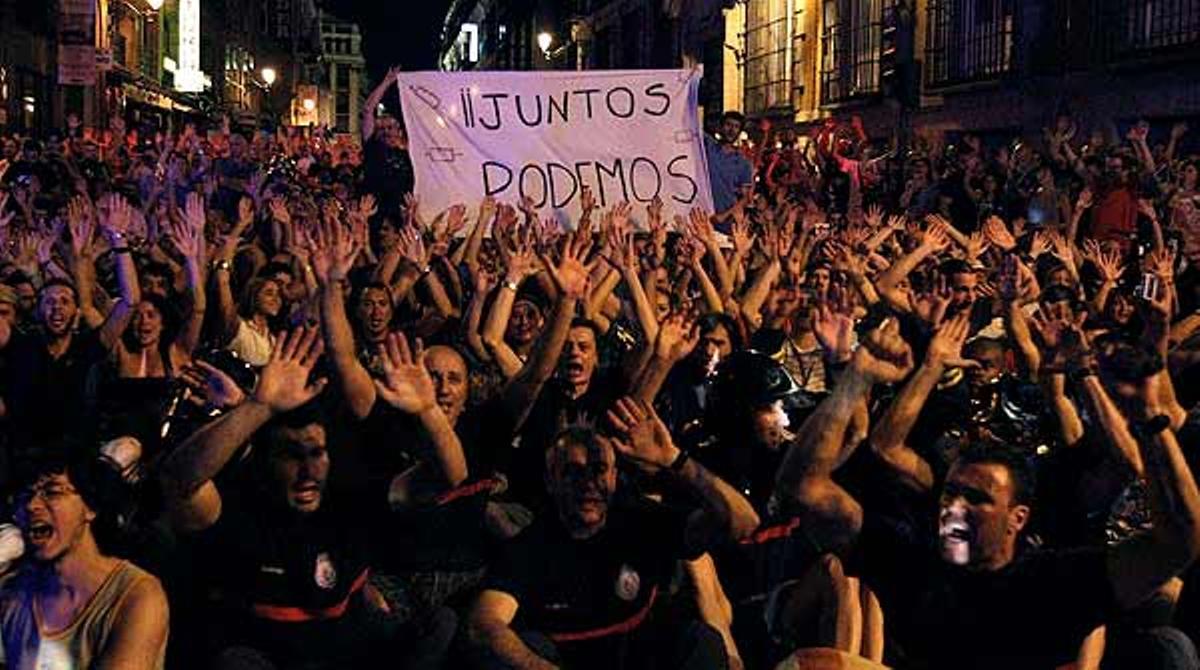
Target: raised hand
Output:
[
  {"x": 283, "y": 384},
  {"x": 279, "y": 210},
  {"x": 977, "y": 244},
  {"x": 998, "y": 234},
  {"x": 948, "y": 338},
  {"x": 883, "y": 356},
  {"x": 334, "y": 250},
  {"x": 700, "y": 225},
  {"x": 1161, "y": 262},
  {"x": 1085, "y": 199},
  {"x": 677, "y": 338},
  {"x": 217, "y": 389},
  {"x": 833, "y": 326},
  {"x": 654, "y": 213},
  {"x": 873, "y": 217},
  {"x": 930, "y": 304},
  {"x": 641, "y": 435},
  {"x": 115, "y": 215},
  {"x": 367, "y": 207},
  {"x": 406, "y": 384},
  {"x": 571, "y": 274},
  {"x": 743, "y": 239},
  {"x": 81, "y": 223},
  {"x": 521, "y": 259},
  {"x": 412, "y": 247},
  {"x": 935, "y": 238}
]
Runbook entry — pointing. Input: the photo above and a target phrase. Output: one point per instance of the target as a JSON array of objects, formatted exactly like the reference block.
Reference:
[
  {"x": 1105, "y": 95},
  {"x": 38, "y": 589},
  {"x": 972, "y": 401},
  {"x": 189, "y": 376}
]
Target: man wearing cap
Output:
[
  {"x": 577, "y": 588},
  {"x": 291, "y": 568}
]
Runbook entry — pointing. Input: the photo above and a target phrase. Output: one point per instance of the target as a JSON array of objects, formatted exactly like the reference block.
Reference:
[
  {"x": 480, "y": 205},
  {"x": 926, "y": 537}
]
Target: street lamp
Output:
[
  {"x": 268, "y": 75},
  {"x": 155, "y": 4},
  {"x": 309, "y": 104},
  {"x": 545, "y": 40}
]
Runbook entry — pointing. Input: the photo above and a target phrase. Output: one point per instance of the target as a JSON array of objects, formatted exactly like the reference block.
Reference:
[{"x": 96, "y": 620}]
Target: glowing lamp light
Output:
[
  {"x": 309, "y": 104},
  {"x": 268, "y": 75},
  {"x": 155, "y": 4},
  {"x": 544, "y": 40}
]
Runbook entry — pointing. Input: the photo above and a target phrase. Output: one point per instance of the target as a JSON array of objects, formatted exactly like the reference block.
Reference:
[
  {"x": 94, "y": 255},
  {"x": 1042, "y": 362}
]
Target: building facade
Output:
[
  {"x": 964, "y": 65},
  {"x": 338, "y": 103}
]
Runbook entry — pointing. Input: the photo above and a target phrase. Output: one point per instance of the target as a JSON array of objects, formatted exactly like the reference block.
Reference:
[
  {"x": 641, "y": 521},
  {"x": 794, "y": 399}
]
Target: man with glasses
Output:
[{"x": 72, "y": 605}]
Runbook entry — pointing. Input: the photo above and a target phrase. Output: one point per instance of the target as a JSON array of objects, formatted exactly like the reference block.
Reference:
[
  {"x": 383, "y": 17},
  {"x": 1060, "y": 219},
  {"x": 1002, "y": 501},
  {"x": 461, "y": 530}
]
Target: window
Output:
[
  {"x": 768, "y": 62},
  {"x": 969, "y": 40},
  {"x": 1131, "y": 28},
  {"x": 341, "y": 97},
  {"x": 798, "y": 75},
  {"x": 850, "y": 45}
]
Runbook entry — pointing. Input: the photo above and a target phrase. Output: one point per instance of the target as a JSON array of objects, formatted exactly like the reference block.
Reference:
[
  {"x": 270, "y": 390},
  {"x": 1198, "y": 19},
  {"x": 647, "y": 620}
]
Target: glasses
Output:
[{"x": 50, "y": 493}]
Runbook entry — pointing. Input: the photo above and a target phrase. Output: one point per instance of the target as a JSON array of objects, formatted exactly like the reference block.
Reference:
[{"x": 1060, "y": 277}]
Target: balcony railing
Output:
[
  {"x": 851, "y": 42},
  {"x": 969, "y": 41},
  {"x": 1133, "y": 29}
]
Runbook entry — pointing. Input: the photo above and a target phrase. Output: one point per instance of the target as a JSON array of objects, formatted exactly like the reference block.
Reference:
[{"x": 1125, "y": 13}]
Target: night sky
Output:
[{"x": 396, "y": 32}]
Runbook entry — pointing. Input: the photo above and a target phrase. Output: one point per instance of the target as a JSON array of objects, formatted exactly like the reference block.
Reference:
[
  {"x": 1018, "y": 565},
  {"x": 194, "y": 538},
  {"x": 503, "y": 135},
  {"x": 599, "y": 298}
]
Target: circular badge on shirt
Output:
[
  {"x": 325, "y": 575},
  {"x": 628, "y": 583}
]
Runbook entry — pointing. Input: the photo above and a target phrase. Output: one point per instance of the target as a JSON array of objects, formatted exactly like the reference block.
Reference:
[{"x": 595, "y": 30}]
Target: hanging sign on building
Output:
[
  {"x": 77, "y": 43},
  {"x": 628, "y": 135},
  {"x": 188, "y": 77}
]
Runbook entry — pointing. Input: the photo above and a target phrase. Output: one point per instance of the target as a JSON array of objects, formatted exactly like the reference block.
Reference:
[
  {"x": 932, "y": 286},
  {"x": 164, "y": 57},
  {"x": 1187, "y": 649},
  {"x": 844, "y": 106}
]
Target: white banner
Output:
[{"x": 627, "y": 135}]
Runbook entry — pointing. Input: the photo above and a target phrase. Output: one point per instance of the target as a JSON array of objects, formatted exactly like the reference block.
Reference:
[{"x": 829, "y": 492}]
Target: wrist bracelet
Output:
[
  {"x": 676, "y": 465},
  {"x": 220, "y": 265},
  {"x": 511, "y": 285},
  {"x": 1150, "y": 427}
]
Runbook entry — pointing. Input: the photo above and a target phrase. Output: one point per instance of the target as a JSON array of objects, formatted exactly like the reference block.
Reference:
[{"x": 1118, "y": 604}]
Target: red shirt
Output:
[{"x": 1115, "y": 215}]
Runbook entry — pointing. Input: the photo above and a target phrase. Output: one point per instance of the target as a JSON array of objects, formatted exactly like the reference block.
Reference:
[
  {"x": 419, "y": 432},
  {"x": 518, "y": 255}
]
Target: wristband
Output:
[
  {"x": 221, "y": 265},
  {"x": 681, "y": 460},
  {"x": 511, "y": 285},
  {"x": 1150, "y": 427}
]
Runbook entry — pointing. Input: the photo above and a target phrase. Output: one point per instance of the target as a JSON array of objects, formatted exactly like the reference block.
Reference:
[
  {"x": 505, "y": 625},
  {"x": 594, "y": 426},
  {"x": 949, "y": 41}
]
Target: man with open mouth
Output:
[
  {"x": 71, "y": 605},
  {"x": 957, "y": 587},
  {"x": 291, "y": 567}
]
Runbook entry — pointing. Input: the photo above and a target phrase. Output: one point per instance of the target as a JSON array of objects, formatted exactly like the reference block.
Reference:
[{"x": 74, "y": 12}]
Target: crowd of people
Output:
[{"x": 907, "y": 404}]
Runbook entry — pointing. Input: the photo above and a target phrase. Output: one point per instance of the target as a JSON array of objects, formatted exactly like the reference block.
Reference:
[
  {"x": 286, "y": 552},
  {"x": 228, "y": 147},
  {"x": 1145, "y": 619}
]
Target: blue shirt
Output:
[{"x": 728, "y": 170}]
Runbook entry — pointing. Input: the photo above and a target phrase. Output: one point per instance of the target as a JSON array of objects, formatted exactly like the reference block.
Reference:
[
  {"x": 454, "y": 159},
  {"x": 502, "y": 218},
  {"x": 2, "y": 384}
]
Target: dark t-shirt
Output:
[
  {"x": 1034, "y": 613},
  {"x": 553, "y": 411},
  {"x": 45, "y": 395},
  {"x": 286, "y": 583},
  {"x": 576, "y": 590}
]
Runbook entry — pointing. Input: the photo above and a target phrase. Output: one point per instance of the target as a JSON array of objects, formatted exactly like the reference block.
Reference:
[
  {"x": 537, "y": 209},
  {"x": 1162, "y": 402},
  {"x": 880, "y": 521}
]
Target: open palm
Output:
[{"x": 406, "y": 384}]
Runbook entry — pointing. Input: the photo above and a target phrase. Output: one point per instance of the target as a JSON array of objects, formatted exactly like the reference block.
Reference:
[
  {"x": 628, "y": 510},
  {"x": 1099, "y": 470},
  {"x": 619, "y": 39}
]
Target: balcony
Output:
[
  {"x": 968, "y": 41},
  {"x": 851, "y": 46},
  {"x": 1131, "y": 30}
]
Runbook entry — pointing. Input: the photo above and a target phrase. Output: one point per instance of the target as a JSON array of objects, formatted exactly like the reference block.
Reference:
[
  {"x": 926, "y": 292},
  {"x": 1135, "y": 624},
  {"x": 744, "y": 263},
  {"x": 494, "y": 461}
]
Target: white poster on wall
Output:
[{"x": 627, "y": 135}]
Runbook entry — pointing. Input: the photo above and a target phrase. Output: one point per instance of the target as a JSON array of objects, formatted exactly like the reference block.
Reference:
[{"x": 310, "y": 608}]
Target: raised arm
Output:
[
  {"x": 1141, "y": 564},
  {"x": 934, "y": 240},
  {"x": 114, "y": 221},
  {"x": 677, "y": 337},
  {"x": 223, "y": 272},
  {"x": 372, "y": 103},
  {"x": 521, "y": 263},
  {"x": 889, "y": 437},
  {"x": 333, "y": 256},
  {"x": 407, "y": 386},
  {"x": 188, "y": 237},
  {"x": 187, "y": 472},
  {"x": 570, "y": 277},
  {"x": 645, "y": 440}
]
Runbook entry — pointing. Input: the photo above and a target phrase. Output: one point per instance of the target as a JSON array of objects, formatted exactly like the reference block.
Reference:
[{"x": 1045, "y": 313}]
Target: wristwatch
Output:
[
  {"x": 511, "y": 285},
  {"x": 1150, "y": 427},
  {"x": 221, "y": 265},
  {"x": 676, "y": 465}
]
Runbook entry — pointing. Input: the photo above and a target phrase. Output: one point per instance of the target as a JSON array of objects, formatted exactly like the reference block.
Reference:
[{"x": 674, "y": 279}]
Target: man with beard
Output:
[
  {"x": 290, "y": 567},
  {"x": 578, "y": 587},
  {"x": 685, "y": 394},
  {"x": 72, "y": 605},
  {"x": 978, "y": 601}
]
